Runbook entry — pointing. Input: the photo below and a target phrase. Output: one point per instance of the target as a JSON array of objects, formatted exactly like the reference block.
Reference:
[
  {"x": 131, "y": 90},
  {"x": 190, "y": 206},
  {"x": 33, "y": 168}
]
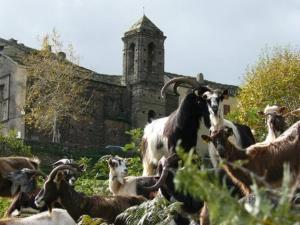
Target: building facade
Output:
[{"x": 121, "y": 102}]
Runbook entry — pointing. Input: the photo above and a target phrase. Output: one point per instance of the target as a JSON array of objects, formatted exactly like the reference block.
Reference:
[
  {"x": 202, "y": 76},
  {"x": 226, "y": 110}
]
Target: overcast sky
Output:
[{"x": 219, "y": 38}]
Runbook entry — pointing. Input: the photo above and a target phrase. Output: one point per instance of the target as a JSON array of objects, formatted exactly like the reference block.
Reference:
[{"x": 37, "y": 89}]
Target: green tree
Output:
[
  {"x": 56, "y": 87},
  {"x": 274, "y": 79}
]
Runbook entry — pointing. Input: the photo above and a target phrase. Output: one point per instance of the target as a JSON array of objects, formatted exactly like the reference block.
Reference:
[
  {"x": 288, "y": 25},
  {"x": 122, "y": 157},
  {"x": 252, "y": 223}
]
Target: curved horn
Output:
[
  {"x": 159, "y": 183},
  {"x": 105, "y": 157},
  {"x": 164, "y": 173},
  {"x": 62, "y": 167},
  {"x": 177, "y": 81}
]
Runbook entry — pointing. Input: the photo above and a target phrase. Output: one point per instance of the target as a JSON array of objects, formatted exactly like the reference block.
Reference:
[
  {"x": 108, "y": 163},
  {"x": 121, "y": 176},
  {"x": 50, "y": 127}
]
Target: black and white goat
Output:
[
  {"x": 56, "y": 217},
  {"x": 121, "y": 184},
  {"x": 182, "y": 127},
  {"x": 57, "y": 188},
  {"x": 161, "y": 135},
  {"x": 242, "y": 137}
]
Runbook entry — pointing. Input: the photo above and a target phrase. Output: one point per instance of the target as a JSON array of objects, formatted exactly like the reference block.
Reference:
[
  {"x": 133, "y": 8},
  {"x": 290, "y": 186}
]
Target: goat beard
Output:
[{"x": 50, "y": 207}]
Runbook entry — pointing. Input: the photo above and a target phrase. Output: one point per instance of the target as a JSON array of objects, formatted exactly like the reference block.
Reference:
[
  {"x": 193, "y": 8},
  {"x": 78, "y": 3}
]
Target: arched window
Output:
[
  {"x": 151, "y": 116},
  {"x": 151, "y": 55},
  {"x": 131, "y": 54}
]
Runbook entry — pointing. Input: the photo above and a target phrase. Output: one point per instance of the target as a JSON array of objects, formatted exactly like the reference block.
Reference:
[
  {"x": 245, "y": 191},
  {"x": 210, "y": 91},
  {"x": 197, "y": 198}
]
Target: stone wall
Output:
[{"x": 13, "y": 77}]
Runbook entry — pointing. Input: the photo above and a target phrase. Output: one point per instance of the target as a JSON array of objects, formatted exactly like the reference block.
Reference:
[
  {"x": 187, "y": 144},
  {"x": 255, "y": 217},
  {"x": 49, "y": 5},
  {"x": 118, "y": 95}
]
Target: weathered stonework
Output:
[{"x": 120, "y": 103}]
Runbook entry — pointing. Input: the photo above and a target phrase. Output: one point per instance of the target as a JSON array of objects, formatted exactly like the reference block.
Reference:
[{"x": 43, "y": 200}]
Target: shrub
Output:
[{"x": 11, "y": 145}]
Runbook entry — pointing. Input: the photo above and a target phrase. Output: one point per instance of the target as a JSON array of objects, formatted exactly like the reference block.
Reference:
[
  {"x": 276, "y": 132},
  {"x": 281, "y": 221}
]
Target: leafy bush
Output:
[
  {"x": 4, "y": 203},
  {"x": 274, "y": 79},
  {"x": 135, "y": 137},
  {"x": 11, "y": 145},
  {"x": 155, "y": 212}
]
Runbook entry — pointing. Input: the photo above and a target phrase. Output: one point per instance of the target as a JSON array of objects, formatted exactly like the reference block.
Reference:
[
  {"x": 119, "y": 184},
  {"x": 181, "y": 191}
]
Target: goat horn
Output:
[
  {"x": 105, "y": 157},
  {"x": 177, "y": 81},
  {"x": 164, "y": 174},
  {"x": 159, "y": 183},
  {"x": 62, "y": 167}
]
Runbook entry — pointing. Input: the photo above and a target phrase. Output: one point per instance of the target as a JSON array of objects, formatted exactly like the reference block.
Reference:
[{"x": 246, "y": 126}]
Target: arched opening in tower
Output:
[
  {"x": 151, "y": 57},
  {"x": 131, "y": 59},
  {"x": 151, "y": 115}
]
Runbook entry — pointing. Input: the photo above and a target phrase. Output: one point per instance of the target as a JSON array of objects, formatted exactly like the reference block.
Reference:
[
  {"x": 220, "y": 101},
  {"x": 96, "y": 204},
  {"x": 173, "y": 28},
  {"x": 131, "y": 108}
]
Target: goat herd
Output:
[{"x": 227, "y": 141}]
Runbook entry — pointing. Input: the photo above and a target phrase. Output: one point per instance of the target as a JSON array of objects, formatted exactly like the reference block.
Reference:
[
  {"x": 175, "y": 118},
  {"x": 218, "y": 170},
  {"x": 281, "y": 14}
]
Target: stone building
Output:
[{"x": 121, "y": 102}]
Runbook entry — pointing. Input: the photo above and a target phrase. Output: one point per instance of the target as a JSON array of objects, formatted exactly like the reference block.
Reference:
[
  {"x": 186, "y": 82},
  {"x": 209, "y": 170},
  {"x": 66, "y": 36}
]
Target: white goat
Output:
[
  {"x": 121, "y": 184},
  {"x": 56, "y": 217}
]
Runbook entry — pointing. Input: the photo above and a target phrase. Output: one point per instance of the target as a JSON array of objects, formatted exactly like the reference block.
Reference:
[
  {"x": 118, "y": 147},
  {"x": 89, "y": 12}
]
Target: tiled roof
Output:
[{"x": 144, "y": 23}]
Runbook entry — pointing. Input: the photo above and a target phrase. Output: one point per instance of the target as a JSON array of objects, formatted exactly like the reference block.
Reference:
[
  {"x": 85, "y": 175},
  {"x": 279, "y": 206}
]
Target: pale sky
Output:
[{"x": 219, "y": 38}]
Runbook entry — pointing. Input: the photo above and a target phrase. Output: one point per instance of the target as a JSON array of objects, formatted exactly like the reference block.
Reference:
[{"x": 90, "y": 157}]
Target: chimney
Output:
[
  {"x": 200, "y": 78},
  {"x": 61, "y": 56}
]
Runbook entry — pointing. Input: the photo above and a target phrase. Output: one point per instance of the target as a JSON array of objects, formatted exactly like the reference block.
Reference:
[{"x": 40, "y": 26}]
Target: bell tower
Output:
[{"x": 143, "y": 70}]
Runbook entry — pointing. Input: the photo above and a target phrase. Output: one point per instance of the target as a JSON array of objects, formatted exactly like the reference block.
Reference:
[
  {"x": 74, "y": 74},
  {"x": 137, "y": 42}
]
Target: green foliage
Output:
[
  {"x": 4, "y": 203},
  {"x": 135, "y": 137},
  {"x": 93, "y": 181},
  {"x": 274, "y": 79},
  {"x": 226, "y": 210},
  {"x": 92, "y": 186},
  {"x": 135, "y": 167},
  {"x": 11, "y": 145},
  {"x": 87, "y": 220},
  {"x": 155, "y": 212}
]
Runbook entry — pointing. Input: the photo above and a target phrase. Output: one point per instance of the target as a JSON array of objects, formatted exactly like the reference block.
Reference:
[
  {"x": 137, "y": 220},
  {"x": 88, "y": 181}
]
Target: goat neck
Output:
[
  {"x": 115, "y": 181},
  {"x": 75, "y": 203},
  {"x": 183, "y": 124},
  {"x": 233, "y": 153}
]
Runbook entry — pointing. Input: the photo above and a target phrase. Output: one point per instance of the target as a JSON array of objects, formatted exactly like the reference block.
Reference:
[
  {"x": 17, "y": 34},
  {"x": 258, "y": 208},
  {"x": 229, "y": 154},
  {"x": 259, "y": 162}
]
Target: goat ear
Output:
[
  {"x": 225, "y": 94},
  {"x": 111, "y": 163},
  {"x": 206, "y": 138},
  {"x": 283, "y": 110},
  {"x": 59, "y": 177},
  {"x": 197, "y": 92}
]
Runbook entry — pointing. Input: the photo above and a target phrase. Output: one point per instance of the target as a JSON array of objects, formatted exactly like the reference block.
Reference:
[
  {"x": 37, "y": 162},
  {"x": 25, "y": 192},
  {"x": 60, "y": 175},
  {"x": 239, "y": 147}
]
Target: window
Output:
[
  {"x": 151, "y": 116},
  {"x": 2, "y": 104},
  {"x": 151, "y": 57},
  {"x": 131, "y": 59},
  {"x": 226, "y": 109}
]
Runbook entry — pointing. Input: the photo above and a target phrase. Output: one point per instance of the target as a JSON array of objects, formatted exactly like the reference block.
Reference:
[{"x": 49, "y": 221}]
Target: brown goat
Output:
[
  {"x": 265, "y": 161},
  {"x": 56, "y": 188},
  {"x": 12, "y": 164}
]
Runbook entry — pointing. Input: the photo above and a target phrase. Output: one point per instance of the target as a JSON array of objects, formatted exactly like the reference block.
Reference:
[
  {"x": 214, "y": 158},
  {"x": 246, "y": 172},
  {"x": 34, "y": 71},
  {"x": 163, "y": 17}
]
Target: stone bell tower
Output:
[{"x": 143, "y": 70}]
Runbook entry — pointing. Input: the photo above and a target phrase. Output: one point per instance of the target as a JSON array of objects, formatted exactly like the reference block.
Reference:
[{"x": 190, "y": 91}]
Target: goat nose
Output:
[{"x": 214, "y": 108}]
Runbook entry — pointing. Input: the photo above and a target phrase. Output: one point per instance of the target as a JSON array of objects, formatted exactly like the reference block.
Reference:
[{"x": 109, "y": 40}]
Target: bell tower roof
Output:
[{"x": 143, "y": 24}]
